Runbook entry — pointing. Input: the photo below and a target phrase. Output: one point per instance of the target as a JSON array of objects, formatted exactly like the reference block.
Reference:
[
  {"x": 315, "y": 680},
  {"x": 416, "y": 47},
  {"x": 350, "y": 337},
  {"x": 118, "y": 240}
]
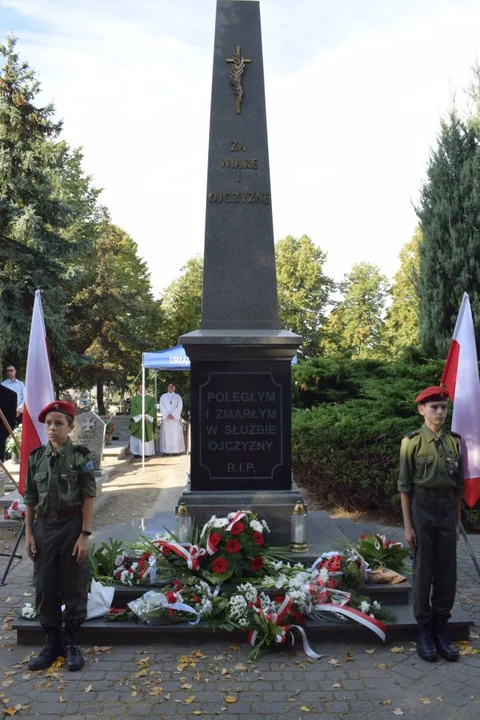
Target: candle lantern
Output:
[
  {"x": 183, "y": 524},
  {"x": 299, "y": 530}
]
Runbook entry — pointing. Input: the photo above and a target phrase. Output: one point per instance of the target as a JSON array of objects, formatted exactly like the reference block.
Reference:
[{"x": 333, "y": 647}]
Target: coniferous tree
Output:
[
  {"x": 449, "y": 213},
  {"x": 38, "y": 246},
  {"x": 116, "y": 317}
]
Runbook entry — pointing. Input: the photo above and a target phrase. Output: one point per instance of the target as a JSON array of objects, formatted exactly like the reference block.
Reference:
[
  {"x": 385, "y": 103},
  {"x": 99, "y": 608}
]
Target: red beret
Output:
[
  {"x": 432, "y": 394},
  {"x": 61, "y": 406}
]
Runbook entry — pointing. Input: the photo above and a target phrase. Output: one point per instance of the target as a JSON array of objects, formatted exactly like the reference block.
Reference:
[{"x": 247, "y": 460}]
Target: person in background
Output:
[
  {"x": 431, "y": 490},
  {"x": 18, "y": 387},
  {"x": 149, "y": 420},
  {"x": 172, "y": 441}
]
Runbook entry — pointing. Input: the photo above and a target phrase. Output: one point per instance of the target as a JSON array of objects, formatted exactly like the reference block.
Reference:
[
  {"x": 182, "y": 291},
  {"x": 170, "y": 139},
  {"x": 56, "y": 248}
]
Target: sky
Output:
[{"x": 355, "y": 90}]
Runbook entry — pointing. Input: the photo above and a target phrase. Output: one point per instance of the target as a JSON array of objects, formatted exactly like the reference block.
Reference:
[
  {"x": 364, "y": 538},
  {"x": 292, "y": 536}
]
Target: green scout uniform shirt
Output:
[
  {"x": 430, "y": 465},
  {"x": 61, "y": 487}
]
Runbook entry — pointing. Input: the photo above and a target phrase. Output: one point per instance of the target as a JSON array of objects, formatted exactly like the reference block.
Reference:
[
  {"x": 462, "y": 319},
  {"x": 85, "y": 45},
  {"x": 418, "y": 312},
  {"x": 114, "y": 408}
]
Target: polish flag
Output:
[
  {"x": 460, "y": 376},
  {"x": 38, "y": 389}
]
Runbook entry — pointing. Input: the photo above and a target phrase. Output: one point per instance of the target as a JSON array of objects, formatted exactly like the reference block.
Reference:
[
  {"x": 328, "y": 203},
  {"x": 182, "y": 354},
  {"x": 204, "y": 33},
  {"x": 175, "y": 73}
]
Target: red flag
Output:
[
  {"x": 460, "y": 376},
  {"x": 38, "y": 389}
]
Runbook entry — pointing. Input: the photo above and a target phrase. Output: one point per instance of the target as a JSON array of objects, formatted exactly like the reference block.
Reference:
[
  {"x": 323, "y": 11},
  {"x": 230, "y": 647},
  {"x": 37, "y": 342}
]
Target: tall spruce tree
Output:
[
  {"x": 36, "y": 248},
  {"x": 449, "y": 214}
]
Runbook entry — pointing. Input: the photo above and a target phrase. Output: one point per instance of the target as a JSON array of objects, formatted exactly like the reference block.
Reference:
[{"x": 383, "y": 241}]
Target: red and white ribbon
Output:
[
  {"x": 211, "y": 548},
  {"x": 370, "y": 623},
  {"x": 191, "y": 553},
  {"x": 238, "y": 516}
]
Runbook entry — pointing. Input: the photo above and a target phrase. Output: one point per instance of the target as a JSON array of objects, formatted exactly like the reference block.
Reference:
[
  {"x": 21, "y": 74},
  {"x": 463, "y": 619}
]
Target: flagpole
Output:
[{"x": 143, "y": 417}]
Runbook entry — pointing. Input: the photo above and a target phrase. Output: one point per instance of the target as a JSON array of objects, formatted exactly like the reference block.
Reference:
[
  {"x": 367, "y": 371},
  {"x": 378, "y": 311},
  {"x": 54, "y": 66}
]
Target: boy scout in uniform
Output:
[
  {"x": 59, "y": 495},
  {"x": 431, "y": 487}
]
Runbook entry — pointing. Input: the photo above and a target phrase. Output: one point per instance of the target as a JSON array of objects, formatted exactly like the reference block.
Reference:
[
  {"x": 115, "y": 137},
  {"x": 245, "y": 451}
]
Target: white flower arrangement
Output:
[
  {"x": 256, "y": 525},
  {"x": 29, "y": 612}
]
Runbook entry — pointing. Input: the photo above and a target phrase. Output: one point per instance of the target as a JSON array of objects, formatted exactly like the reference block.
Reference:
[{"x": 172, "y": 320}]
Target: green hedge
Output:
[{"x": 348, "y": 421}]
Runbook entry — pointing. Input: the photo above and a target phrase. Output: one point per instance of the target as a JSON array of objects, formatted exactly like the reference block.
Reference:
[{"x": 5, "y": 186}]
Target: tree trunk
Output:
[{"x": 100, "y": 400}]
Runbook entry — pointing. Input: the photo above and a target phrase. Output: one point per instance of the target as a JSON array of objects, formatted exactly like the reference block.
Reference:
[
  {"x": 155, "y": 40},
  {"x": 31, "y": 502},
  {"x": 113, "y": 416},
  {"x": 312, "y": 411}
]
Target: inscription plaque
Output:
[{"x": 241, "y": 425}]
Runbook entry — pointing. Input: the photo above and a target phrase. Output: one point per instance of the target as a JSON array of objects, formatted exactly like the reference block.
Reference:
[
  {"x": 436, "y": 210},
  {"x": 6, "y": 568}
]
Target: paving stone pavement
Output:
[{"x": 208, "y": 680}]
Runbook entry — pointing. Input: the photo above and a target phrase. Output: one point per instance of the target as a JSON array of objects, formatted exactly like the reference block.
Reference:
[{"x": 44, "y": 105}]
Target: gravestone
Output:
[
  {"x": 240, "y": 356},
  {"x": 89, "y": 430}
]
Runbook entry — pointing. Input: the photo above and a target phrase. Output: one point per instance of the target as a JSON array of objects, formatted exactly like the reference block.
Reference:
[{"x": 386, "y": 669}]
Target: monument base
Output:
[{"x": 274, "y": 506}]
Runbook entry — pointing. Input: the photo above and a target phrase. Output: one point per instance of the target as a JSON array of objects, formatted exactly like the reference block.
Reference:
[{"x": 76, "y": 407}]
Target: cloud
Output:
[{"x": 353, "y": 105}]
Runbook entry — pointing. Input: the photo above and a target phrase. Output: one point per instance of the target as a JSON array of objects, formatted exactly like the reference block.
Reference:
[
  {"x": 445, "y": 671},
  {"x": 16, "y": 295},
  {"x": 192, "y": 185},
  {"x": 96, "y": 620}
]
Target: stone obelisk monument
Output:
[{"x": 240, "y": 356}]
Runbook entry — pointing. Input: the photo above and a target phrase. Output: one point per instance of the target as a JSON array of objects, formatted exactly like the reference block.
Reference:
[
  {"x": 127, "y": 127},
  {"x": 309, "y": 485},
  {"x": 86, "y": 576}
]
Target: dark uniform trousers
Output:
[
  {"x": 59, "y": 579},
  {"x": 434, "y": 516}
]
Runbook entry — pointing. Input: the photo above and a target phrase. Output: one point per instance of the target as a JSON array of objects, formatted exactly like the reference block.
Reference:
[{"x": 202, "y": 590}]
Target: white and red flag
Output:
[
  {"x": 38, "y": 389},
  {"x": 460, "y": 376}
]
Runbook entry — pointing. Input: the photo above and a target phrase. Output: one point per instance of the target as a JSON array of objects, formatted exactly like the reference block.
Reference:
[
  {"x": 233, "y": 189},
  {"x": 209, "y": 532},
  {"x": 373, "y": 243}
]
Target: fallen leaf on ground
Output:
[
  {"x": 336, "y": 685},
  {"x": 7, "y": 683},
  {"x": 397, "y": 650},
  {"x": 473, "y": 636},
  {"x": 197, "y": 712},
  {"x": 234, "y": 647},
  {"x": 189, "y": 699},
  {"x": 426, "y": 701},
  {"x": 230, "y": 699},
  {"x": 382, "y": 666},
  {"x": 240, "y": 666},
  {"x": 385, "y": 702},
  {"x": 156, "y": 691},
  {"x": 349, "y": 657},
  {"x": 370, "y": 652},
  {"x": 62, "y": 700},
  {"x": 440, "y": 699},
  {"x": 305, "y": 708},
  {"x": 9, "y": 672},
  {"x": 398, "y": 711},
  {"x": 89, "y": 688},
  {"x": 334, "y": 662},
  {"x": 466, "y": 649}
]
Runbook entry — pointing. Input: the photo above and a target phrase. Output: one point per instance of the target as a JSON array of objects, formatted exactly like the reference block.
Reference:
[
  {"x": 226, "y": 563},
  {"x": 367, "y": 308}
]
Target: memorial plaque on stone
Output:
[{"x": 89, "y": 431}]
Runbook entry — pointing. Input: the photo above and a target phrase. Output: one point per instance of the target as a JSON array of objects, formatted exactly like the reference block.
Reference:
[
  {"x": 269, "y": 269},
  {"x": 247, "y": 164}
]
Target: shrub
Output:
[{"x": 348, "y": 421}]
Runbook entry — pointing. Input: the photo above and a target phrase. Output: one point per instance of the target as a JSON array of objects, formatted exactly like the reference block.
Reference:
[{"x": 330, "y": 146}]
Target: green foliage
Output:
[
  {"x": 40, "y": 214},
  {"x": 114, "y": 316},
  {"x": 401, "y": 322},
  {"x": 303, "y": 289},
  {"x": 382, "y": 553},
  {"x": 450, "y": 251},
  {"x": 101, "y": 560},
  {"x": 182, "y": 302},
  {"x": 346, "y": 441},
  {"x": 348, "y": 421},
  {"x": 355, "y": 326}
]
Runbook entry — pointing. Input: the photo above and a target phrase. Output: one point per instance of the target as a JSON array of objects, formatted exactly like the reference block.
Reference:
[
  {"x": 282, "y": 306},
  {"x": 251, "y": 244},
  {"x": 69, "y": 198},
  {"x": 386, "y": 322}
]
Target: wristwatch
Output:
[{"x": 85, "y": 532}]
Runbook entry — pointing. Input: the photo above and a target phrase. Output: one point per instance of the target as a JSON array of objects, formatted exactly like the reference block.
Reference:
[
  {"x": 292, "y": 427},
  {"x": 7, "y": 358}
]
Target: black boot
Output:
[
  {"x": 50, "y": 651},
  {"x": 425, "y": 644},
  {"x": 75, "y": 659},
  {"x": 445, "y": 648}
]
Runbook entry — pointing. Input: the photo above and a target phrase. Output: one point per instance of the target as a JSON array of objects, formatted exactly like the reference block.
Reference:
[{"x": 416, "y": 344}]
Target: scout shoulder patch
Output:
[
  {"x": 412, "y": 434},
  {"x": 88, "y": 466},
  {"x": 82, "y": 450}
]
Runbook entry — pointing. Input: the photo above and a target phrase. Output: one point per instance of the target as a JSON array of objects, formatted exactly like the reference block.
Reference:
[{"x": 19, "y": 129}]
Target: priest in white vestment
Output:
[{"x": 172, "y": 440}]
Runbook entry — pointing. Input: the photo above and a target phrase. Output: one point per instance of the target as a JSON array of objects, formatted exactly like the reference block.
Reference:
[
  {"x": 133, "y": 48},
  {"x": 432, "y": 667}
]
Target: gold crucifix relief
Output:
[{"x": 235, "y": 74}]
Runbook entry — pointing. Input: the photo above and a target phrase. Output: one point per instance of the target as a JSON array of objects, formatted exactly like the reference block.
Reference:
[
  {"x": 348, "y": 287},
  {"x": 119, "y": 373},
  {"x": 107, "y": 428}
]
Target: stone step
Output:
[{"x": 105, "y": 632}]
